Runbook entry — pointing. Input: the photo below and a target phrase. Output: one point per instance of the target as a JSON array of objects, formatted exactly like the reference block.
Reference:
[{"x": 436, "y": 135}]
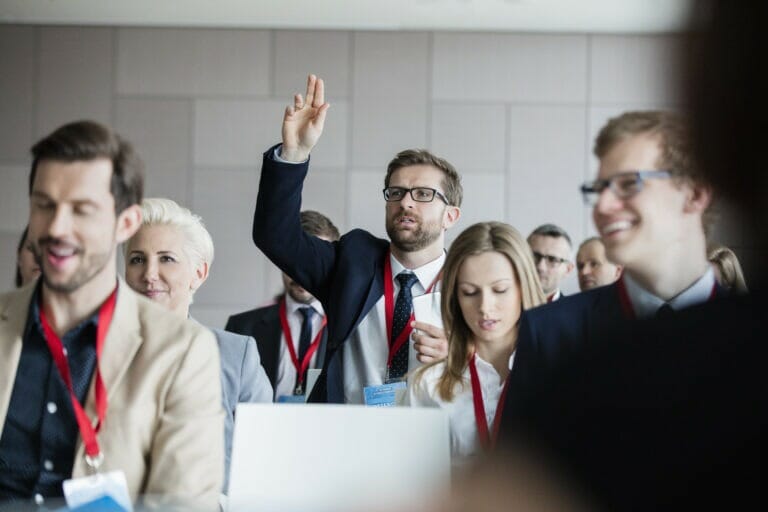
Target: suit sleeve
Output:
[
  {"x": 254, "y": 384},
  {"x": 187, "y": 454},
  {"x": 277, "y": 227},
  {"x": 524, "y": 370}
]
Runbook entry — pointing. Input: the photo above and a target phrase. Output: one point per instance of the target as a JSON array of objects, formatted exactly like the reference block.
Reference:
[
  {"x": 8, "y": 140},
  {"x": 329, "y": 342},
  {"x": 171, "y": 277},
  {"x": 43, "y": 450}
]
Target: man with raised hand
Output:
[{"x": 365, "y": 284}]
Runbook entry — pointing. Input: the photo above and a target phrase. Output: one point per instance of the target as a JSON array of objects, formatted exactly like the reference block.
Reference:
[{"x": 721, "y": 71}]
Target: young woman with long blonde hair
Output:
[{"x": 489, "y": 278}]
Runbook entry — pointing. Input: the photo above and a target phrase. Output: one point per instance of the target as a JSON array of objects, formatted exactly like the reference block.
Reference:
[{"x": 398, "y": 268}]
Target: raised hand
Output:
[{"x": 303, "y": 121}]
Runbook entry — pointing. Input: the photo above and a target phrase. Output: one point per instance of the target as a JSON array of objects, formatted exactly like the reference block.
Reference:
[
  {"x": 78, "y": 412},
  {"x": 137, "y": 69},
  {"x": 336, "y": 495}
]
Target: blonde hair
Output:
[
  {"x": 731, "y": 275},
  {"x": 477, "y": 239},
  {"x": 198, "y": 243}
]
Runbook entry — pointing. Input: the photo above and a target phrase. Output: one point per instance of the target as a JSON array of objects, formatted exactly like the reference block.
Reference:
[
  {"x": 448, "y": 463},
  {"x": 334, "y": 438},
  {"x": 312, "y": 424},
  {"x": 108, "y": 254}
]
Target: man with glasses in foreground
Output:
[
  {"x": 650, "y": 207},
  {"x": 365, "y": 284},
  {"x": 552, "y": 249}
]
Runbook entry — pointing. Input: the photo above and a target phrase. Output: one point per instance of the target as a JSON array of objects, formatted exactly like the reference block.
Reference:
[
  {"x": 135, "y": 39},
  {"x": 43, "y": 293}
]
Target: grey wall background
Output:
[{"x": 516, "y": 113}]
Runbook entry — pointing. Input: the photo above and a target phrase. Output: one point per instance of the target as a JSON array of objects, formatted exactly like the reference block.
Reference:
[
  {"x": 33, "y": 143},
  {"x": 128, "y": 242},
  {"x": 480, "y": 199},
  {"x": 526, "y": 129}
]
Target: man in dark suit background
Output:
[
  {"x": 367, "y": 312},
  {"x": 553, "y": 255},
  {"x": 650, "y": 207},
  {"x": 264, "y": 324}
]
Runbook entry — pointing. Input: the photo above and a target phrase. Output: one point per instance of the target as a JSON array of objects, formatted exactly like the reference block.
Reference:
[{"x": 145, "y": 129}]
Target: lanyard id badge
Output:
[
  {"x": 105, "y": 492},
  {"x": 301, "y": 366}
]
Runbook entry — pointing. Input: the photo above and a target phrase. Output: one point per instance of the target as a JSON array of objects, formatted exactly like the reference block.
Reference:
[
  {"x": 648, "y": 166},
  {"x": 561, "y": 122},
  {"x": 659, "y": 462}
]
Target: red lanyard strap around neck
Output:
[
  {"x": 55, "y": 345},
  {"x": 487, "y": 439},
  {"x": 389, "y": 309},
  {"x": 301, "y": 367}
]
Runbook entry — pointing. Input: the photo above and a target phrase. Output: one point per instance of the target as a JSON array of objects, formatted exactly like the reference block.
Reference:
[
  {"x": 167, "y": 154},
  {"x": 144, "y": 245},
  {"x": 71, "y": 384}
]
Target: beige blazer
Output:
[{"x": 164, "y": 421}]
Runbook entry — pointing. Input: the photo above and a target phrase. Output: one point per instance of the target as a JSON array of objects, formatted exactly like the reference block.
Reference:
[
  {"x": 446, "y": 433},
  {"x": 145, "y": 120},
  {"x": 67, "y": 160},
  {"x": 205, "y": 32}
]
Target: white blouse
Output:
[{"x": 465, "y": 442}]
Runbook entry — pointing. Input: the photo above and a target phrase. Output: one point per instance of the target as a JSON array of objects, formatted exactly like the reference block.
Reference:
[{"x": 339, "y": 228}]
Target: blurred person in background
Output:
[
  {"x": 27, "y": 269},
  {"x": 297, "y": 319},
  {"x": 552, "y": 253},
  {"x": 593, "y": 267},
  {"x": 727, "y": 269}
]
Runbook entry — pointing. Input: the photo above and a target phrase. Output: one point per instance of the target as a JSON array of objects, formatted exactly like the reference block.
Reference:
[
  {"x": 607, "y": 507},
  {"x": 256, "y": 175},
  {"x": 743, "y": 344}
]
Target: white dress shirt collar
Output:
[
  {"x": 426, "y": 274},
  {"x": 291, "y": 306},
  {"x": 646, "y": 304}
]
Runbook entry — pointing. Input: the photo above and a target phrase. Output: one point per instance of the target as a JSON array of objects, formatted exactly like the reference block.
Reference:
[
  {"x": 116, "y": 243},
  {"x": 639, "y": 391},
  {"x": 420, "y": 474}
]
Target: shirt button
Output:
[
  {"x": 48, "y": 465},
  {"x": 52, "y": 408},
  {"x": 39, "y": 500}
]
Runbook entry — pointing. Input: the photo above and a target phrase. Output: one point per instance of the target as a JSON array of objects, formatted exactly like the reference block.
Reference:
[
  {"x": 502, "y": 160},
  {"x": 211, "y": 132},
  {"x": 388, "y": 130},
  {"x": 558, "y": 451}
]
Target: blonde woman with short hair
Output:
[{"x": 489, "y": 278}]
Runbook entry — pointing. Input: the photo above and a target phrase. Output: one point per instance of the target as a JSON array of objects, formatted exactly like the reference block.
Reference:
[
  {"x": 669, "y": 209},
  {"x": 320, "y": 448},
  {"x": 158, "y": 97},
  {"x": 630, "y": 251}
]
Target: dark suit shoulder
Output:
[
  {"x": 240, "y": 321},
  {"x": 604, "y": 298}
]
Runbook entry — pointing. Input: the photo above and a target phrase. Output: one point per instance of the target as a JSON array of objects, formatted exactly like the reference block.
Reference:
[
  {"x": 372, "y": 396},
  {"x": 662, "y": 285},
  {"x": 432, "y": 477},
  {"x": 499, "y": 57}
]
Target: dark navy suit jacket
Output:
[
  {"x": 551, "y": 332},
  {"x": 346, "y": 276},
  {"x": 263, "y": 324},
  {"x": 660, "y": 414}
]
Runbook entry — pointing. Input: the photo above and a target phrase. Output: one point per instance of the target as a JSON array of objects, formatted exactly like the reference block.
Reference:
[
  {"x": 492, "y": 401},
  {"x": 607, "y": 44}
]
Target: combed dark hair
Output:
[
  {"x": 451, "y": 179},
  {"x": 316, "y": 224},
  {"x": 552, "y": 230},
  {"x": 89, "y": 140}
]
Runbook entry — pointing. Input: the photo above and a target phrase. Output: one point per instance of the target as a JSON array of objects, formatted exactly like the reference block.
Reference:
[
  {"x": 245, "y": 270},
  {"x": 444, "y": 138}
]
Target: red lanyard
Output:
[
  {"x": 389, "y": 310},
  {"x": 626, "y": 302},
  {"x": 487, "y": 439},
  {"x": 87, "y": 431},
  {"x": 300, "y": 368}
]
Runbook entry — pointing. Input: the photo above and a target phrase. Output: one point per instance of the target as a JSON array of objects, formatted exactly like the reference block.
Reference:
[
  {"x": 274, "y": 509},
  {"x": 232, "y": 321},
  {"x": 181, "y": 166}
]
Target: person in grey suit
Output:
[{"x": 167, "y": 260}]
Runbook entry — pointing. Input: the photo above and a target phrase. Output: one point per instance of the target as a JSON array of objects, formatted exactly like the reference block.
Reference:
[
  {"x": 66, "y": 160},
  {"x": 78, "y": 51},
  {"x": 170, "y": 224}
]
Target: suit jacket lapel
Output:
[
  {"x": 13, "y": 318},
  {"x": 123, "y": 340}
]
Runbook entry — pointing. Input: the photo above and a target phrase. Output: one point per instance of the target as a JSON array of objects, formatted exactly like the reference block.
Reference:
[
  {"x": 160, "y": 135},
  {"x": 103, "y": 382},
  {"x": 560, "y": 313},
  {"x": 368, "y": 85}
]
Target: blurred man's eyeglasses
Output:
[
  {"x": 419, "y": 194},
  {"x": 551, "y": 261},
  {"x": 624, "y": 185}
]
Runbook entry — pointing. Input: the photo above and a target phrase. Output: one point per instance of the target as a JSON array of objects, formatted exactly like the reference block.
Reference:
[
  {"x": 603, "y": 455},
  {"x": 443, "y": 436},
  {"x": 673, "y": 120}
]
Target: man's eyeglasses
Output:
[
  {"x": 419, "y": 194},
  {"x": 551, "y": 260},
  {"x": 624, "y": 185}
]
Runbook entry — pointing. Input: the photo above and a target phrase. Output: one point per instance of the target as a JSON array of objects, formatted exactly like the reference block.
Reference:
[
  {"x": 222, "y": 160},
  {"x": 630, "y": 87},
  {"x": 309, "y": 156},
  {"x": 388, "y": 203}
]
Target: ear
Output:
[
  {"x": 200, "y": 275},
  {"x": 569, "y": 267},
  {"x": 128, "y": 223},
  {"x": 619, "y": 268},
  {"x": 698, "y": 199},
  {"x": 451, "y": 216}
]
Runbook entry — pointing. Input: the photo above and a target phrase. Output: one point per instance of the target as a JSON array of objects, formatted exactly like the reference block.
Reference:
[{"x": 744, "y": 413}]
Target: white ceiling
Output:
[{"x": 616, "y": 16}]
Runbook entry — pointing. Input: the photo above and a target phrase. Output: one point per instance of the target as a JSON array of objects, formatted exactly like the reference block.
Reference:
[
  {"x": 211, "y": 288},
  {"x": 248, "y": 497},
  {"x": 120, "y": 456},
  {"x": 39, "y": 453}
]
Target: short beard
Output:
[
  {"x": 413, "y": 241},
  {"x": 89, "y": 269}
]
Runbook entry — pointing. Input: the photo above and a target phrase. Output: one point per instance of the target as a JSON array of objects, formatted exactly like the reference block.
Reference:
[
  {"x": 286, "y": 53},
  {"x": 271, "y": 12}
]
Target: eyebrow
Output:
[
  {"x": 495, "y": 282},
  {"x": 42, "y": 195}
]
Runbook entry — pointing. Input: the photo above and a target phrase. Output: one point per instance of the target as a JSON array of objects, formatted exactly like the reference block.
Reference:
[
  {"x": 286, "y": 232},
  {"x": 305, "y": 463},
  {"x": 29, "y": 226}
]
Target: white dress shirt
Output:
[
  {"x": 364, "y": 361},
  {"x": 286, "y": 372},
  {"x": 645, "y": 304},
  {"x": 465, "y": 442}
]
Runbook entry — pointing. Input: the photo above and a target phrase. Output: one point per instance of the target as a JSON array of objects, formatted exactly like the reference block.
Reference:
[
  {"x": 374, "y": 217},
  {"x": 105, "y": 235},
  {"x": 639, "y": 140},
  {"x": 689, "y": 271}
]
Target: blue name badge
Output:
[
  {"x": 385, "y": 395},
  {"x": 291, "y": 399}
]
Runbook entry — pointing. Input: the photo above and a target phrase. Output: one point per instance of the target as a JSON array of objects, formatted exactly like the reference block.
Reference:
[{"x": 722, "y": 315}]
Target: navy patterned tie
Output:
[
  {"x": 305, "y": 336},
  {"x": 403, "y": 307}
]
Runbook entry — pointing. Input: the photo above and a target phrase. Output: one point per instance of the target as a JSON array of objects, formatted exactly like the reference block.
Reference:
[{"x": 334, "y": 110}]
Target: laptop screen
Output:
[{"x": 315, "y": 457}]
